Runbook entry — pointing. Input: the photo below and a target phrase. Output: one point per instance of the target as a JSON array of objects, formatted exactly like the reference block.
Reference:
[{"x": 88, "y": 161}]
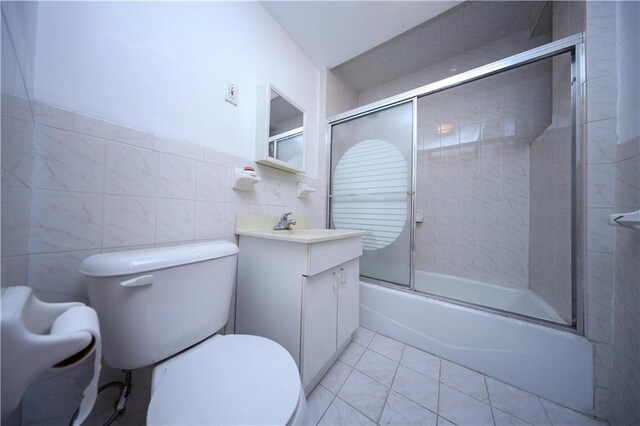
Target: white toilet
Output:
[{"x": 165, "y": 305}]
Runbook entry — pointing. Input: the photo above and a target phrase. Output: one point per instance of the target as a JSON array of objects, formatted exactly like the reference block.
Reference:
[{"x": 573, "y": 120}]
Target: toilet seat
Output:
[{"x": 234, "y": 379}]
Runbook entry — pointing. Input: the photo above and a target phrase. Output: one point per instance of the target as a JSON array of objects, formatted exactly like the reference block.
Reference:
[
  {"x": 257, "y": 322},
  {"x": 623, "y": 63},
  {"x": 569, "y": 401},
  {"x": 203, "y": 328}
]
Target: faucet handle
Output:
[{"x": 285, "y": 217}]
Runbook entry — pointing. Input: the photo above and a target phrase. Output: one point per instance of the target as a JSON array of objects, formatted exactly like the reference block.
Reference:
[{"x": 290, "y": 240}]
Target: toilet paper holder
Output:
[{"x": 38, "y": 336}]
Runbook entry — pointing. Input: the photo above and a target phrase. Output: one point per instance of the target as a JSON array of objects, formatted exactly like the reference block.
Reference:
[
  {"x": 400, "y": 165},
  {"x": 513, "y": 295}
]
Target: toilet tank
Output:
[{"x": 154, "y": 303}]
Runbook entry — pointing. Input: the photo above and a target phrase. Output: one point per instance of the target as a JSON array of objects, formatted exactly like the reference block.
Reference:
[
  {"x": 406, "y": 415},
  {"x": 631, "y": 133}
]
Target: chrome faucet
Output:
[{"x": 285, "y": 223}]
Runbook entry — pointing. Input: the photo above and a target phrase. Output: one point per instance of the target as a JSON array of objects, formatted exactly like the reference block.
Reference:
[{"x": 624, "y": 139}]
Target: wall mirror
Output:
[{"x": 280, "y": 133}]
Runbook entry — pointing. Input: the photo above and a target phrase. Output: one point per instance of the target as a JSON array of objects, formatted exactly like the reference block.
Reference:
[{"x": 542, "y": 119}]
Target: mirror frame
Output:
[{"x": 263, "y": 117}]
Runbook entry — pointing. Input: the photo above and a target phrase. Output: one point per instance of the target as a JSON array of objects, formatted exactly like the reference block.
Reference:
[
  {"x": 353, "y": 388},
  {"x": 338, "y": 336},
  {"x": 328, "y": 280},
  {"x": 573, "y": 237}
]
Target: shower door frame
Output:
[{"x": 574, "y": 45}]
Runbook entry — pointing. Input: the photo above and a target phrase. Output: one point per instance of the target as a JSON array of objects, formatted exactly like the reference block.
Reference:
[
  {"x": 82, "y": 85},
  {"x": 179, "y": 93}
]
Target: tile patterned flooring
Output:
[{"x": 378, "y": 380}]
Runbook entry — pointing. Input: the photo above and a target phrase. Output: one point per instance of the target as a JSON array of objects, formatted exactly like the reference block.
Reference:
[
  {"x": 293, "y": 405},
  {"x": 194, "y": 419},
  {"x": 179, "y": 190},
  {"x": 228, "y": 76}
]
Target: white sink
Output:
[
  {"x": 302, "y": 235},
  {"x": 262, "y": 226}
]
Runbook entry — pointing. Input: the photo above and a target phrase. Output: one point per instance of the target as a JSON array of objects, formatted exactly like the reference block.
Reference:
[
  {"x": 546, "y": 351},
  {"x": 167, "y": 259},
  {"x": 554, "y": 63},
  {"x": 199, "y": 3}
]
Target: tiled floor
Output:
[{"x": 378, "y": 380}]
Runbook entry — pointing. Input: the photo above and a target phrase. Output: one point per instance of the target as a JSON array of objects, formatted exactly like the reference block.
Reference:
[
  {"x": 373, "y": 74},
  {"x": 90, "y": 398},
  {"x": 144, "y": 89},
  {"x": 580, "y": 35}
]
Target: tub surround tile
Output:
[
  {"x": 599, "y": 320},
  {"x": 600, "y": 235},
  {"x": 600, "y": 185},
  {"x": 602, "y": 402},
  {"x": 601, "y": 141},
  {"x": 364, "y": 394},
  {"x": 602, "y": 96},
  {"x": 402, "y": 411},
  {"x": 603, "y": 42},
  {"x": 341, "y": 413},
  {"x": 627, "y": 194},
  {"x": 599, "y": 273},
  {"x": 627, "y": 149},
  {"x": 601, "y": 18}
]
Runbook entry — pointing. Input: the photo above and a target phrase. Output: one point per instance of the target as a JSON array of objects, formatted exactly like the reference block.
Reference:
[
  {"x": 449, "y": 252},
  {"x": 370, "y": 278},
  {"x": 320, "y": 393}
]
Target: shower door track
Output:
[{"x": 574, "y": 45}]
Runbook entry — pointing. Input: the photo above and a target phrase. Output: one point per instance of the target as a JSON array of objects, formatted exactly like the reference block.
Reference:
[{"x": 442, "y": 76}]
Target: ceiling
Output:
[
  {"x": 468, "y": 26},
  {"x": 332, "y": 32}
]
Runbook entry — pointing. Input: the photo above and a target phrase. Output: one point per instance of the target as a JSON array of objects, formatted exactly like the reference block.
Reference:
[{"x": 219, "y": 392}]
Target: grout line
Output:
[
  {"x": 384, "y": 406},
  {"x": 486, "y": 386},
  {"x": 439, "y": 383},
  {"x": 328, "y": 405},
  {"x": 545, "y": 410},
  {"x": 345, "y": 380}
]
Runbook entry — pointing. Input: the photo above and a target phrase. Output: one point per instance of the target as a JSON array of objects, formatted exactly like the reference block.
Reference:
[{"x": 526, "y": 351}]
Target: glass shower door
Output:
[{"x": 371, "y": 187}]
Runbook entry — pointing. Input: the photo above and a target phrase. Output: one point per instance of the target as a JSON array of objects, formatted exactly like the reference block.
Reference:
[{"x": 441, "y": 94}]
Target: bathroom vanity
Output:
[{"x": 300, "y": 288}]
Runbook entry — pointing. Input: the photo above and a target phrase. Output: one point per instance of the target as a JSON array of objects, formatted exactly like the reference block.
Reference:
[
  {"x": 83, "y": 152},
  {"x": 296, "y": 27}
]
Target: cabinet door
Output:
[
  {"x": 319, "y": 323},
  {"x": 348, "y": 299}
]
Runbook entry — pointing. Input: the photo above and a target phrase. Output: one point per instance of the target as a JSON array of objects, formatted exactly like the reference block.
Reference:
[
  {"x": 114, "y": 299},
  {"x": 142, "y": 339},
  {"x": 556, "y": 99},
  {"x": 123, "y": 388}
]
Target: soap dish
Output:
[
  {"x": 245, "y": 179},
  {"x": 304, "y": 190}
]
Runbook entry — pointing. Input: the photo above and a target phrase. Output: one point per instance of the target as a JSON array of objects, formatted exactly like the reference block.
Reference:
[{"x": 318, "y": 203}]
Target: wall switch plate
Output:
[
  {"x": 419, "y": 216},
  {"x": 231, "y": 95}
]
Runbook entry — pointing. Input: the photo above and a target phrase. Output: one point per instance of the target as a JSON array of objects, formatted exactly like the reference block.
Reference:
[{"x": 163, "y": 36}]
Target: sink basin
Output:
[{"x": 302, "y": 235}]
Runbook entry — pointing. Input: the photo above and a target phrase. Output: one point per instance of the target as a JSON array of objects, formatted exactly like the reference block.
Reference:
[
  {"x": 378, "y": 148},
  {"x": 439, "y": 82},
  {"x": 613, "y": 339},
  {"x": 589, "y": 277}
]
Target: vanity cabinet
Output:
[{"x": 302, "y": 295}]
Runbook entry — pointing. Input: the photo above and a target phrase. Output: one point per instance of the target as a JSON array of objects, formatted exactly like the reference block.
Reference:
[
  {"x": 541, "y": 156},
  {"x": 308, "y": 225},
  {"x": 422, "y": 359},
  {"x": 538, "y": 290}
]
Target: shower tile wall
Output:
[
  {"x": 96, "y": 186},
  {"x": 473, "y": 181},
  {"x": 551, "y": 164},
  {"x": 613, "y": 185},
  {"x": 474, "y": 172}
]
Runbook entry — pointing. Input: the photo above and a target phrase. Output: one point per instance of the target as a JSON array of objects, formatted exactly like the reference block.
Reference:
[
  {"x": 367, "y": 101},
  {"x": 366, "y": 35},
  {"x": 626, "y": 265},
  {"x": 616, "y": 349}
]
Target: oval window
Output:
[{"x": 370, "y": 192}]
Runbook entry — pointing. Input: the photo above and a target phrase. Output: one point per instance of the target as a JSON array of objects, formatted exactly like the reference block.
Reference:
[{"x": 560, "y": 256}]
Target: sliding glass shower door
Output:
[{"x": 371, "y": 188}]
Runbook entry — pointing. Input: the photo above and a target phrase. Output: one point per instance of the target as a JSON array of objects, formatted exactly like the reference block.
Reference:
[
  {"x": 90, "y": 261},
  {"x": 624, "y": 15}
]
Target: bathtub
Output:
[
  {"x": 512, "y": 299},
  {"x": 554, "y": 364}
]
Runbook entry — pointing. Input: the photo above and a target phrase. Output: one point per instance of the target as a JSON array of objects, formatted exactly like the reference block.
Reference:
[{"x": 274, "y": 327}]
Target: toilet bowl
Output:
[{"x": 163, "y": 307}]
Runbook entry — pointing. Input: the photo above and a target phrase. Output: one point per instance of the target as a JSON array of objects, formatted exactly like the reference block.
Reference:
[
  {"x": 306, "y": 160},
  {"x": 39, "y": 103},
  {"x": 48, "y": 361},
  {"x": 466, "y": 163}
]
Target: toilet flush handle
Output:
[{"x": 138, "y": 281}]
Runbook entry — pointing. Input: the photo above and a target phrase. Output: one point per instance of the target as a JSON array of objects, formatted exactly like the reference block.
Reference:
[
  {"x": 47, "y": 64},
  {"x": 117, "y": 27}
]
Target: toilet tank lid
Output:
[{"x": 145, "y": 260}]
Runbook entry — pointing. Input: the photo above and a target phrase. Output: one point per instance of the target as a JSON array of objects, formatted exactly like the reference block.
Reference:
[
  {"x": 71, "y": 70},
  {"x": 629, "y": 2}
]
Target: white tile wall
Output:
[
  {"x": 99, "y": 186},
  {"x": 473, "y": 181},
  {"x": 613, "y": 278}
]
